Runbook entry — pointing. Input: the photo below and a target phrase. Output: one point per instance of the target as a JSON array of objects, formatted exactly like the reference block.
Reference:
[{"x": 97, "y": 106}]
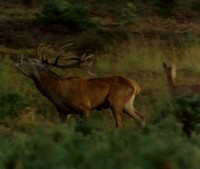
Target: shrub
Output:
[
  {"x": 186, "y": 109},
  {"x": 166, "y": 7},
  {"x": 59, "y": 147},
  {"x": 29, "y": 3},
  {"x": 196, "y": 6},
  {"x": 11, "y": 102},
  {"x": 74, "y": 16},
  {"x": 129, "y": 15}
]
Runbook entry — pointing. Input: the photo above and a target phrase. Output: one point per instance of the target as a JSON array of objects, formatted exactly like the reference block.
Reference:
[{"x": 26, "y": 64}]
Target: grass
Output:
[
  {"x": 32, "y": 137},
  {"x": 60, "y": 146},
  {"x": 138, "y": 61},
  {"x": 16, "y": 12},
  {"x": 15, "y": 84}
]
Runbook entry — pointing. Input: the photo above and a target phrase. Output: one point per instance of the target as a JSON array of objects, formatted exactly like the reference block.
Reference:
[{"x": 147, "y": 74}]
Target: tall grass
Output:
[
  {"x": 94, "y": 143},
  {"x": 158, "y": 147},
  {"x": 29, "y": 140},
  {"x": 17, "y": 92},
  {"x": 140, "y": 61}
]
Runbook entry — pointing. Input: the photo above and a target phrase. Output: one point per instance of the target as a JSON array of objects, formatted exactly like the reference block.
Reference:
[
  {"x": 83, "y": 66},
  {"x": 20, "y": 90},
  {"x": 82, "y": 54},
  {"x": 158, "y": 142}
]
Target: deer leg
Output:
[
  {"x": 117, "y": 113},
  {"x": 136, "y": 115},
  {"x": 68, "y": 117},
  {"x": 133, "y": 113},
  {"x": 64, "y": 118},
  {"x": 84, "y": 113},
  {"x": 63, "y": 115}
]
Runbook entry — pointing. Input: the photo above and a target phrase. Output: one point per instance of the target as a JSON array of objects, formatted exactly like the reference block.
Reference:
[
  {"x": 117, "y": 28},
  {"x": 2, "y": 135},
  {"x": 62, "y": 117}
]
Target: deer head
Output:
[{"x": 170, "y": 71}]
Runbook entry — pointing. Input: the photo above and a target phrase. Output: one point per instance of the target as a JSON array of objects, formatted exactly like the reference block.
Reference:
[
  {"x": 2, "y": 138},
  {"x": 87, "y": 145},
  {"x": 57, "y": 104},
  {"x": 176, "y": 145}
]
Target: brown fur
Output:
[{"x": 77, "y": 95}]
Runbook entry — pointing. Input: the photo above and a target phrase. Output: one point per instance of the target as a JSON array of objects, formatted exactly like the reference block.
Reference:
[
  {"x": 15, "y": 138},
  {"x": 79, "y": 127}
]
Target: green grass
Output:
[
  {"x": 31, "y": 135},
  {"x": 141, "y": 62},
  {"x": 14, "y": 84},
  {"x": 16, "y": 12},
  {"x": 60, "y": 147}
]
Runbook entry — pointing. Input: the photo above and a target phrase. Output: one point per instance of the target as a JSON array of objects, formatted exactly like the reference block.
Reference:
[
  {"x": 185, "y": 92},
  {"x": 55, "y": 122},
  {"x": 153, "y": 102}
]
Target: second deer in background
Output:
[{"x": 178, "y": 90}]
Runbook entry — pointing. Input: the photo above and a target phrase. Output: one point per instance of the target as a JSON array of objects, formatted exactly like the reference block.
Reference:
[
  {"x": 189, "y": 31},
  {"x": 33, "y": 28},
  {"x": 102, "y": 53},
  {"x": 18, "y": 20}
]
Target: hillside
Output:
[
  {"x": 115, "y": 23},
  {"x": 147, "y": 41}
]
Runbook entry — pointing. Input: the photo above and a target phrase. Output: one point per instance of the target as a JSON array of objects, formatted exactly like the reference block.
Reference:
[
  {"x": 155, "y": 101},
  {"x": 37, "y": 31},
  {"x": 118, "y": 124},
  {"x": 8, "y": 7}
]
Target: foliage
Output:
[
  {"x": 189, "y": 38},
  {"x": 58, "y": 147},
  {"x": 29, "y": 3},
  {"x": 74, "y": 16},
  {"x": 129, "y": 15},
  {"x": 95, "y": 143},
  {"x": 11, "y": 102},
  {"x": 167, "y": 8},
  {"x": 186, "y": 109},
  {"x": 196, "y": 6}
]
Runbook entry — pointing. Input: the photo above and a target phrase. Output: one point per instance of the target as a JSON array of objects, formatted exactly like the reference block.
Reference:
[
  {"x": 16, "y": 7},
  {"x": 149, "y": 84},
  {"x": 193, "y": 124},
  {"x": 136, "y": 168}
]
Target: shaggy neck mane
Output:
[{"x": 47, "y": 82}]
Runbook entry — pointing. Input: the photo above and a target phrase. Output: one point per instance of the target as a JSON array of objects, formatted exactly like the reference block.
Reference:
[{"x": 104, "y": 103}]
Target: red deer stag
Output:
[
  {"x": 78, "y": 95},
  {"x": 178, "y": 90}
]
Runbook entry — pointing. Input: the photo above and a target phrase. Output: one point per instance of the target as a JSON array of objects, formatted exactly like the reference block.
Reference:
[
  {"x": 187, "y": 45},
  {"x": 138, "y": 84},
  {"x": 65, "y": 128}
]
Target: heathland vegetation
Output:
[{"x": 131, "y": 38}]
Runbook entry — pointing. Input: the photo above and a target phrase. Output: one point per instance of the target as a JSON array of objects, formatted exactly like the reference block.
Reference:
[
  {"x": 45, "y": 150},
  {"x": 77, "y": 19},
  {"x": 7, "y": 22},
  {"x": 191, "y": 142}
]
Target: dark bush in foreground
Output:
[
  {"x": 186, "y": 110},
  {"x": 159, "y": 146}
]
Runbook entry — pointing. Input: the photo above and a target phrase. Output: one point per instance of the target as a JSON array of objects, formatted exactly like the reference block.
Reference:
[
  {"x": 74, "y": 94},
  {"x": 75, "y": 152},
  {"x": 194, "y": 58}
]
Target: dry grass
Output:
[
  {"x": 140, "y": 59},
  {"x": 137, "y": 60},
  {"x": 14, "y": 12}
]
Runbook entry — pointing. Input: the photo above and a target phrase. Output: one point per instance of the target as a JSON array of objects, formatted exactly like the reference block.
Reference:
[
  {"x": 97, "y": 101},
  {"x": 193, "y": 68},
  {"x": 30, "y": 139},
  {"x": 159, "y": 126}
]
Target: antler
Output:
[
  {"x": 41, "y": 52},
  {"x": 60, "y": 52},
  {"x": 84, "y": 62}
]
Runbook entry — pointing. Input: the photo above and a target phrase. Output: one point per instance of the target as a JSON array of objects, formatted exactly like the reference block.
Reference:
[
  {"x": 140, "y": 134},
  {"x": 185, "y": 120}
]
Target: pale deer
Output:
[
  {"x": 178, "y": 90},
  {"x": 80, "y": 95}
]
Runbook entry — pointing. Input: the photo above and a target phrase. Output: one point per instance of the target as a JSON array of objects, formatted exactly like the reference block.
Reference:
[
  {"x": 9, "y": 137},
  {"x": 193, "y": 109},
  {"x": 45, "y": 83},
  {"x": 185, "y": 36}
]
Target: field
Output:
[{"x": 31, "y": 135}]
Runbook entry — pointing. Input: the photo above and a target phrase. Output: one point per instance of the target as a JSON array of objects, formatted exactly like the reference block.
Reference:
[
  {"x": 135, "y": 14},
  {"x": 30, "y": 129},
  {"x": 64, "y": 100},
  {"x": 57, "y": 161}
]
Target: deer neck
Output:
[
  {"x": 46, "y": 82},
  {"x": 171, "y": 84}
]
